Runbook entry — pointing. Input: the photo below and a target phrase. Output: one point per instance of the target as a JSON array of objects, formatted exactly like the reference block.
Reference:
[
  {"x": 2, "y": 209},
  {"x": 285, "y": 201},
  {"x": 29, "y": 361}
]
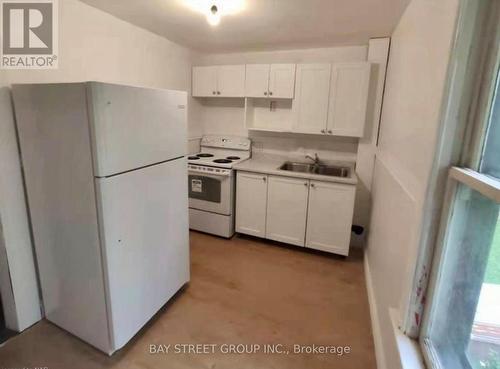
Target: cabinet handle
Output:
[
  {"x": 265, "y": 93},
  {"x": 218, "y": 92},
  {"x": 330, "y": 131},
  {"x": 264, "y": 179},
  {"x": 213, "y": 92},
  {"x": 323, "y": 131},
  {"x": 312, "y": 185},
  {"x": 270, "y": 93},
  {"x": 305, "y": 184}
]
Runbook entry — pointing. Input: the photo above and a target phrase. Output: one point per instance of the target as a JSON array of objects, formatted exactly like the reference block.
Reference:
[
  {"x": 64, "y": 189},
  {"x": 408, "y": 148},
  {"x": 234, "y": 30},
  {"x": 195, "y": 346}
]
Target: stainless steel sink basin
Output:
[{"x": 321, "y": 169}]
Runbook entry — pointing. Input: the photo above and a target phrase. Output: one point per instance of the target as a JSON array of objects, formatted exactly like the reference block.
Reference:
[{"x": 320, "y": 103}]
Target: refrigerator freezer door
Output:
[
  {"x": 146, "y": 242},
  {"x": 134, "y": 127}
]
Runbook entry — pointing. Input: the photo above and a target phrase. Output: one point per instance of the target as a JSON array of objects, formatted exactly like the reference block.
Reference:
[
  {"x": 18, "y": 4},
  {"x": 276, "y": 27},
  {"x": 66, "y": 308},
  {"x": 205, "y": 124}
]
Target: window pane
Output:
[
  {"x": 491, "y": 154},
  {"x": 465, "y": 322}
]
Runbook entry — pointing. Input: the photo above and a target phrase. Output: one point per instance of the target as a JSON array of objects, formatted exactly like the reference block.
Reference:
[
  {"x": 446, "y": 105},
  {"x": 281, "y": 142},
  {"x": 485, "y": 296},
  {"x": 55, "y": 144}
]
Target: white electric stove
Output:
[{"x": 212, "y": 183}]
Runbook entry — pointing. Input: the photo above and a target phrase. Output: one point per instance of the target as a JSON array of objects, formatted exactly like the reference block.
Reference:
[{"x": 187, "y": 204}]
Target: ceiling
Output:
[{"x": 263, "y": 24}]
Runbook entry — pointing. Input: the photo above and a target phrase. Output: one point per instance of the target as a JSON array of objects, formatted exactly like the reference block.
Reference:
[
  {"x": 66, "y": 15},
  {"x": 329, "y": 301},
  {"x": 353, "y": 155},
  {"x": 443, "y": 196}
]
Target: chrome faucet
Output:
[{"x": 315, "y": 158}]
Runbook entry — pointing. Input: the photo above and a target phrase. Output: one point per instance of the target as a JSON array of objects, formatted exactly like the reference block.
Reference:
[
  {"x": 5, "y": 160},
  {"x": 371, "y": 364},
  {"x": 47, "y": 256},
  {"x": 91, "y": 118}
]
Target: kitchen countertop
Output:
[{"x": 269, "y": 164}]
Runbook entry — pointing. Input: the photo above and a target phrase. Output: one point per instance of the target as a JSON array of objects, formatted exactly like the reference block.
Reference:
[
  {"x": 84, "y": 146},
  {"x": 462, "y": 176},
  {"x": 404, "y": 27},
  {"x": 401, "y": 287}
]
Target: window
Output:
[{"x": 462, "y": 320}]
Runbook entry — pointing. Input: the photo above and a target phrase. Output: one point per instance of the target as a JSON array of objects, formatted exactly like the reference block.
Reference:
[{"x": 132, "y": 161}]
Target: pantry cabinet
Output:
[
  {"x": 218, "y": 81},
  {"x": 251, "y": 200},
  {"x": 329, "y": 216},
  {"x": 270, "y": 80},
  {"x": 297, "y": 211},
  {"x": 287, "y": 209}
]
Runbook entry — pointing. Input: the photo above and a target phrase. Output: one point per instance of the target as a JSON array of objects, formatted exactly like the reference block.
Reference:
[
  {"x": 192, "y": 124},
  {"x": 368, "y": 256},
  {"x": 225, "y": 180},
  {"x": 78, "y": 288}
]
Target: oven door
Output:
[{"x": 211, "y": 192}]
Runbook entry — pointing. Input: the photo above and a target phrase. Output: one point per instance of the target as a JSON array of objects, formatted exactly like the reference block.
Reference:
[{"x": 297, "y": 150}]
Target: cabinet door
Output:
[
  {"x": 329, "y": 218},
  {"x": 251, "y": 202},
  {"x": 348, "y": 98},
  {"x": 231, "y": 81},
  {"x": 204, "y": 81},
  {"x": 287, "y": 209},
  {"x": 282, "y": 80},
  {"x": 311, "y": 98},
  {"x": 257, "y": 80}
]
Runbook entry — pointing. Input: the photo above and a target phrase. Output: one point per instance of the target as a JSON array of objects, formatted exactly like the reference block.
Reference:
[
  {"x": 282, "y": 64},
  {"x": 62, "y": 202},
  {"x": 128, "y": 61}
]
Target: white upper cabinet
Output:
[
  {"x": 231, "y": 80},
  {"x": 287, "y": 209},
  {"x": 204, "y": 81},
  {"x": 274, "y": 80},
  {"x": 282, "y": 81},
  {"x": 348, "y": 99},
  {"x": 310, "y": 106},
  {"x": 219, "y": 81},
  {"x": 257, "y": 80},
  {"x": 329, "y": 216}
]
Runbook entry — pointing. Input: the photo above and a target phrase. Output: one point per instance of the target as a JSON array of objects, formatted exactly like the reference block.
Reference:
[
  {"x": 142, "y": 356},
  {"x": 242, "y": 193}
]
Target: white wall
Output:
[
  {"x": 416, "y": 77},
  {"x": 93, "y": 45}
]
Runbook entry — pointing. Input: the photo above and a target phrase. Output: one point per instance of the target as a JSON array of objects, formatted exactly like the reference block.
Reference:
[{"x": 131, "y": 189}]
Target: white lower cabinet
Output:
[
  {"x": 300, "y": 212},
  {"x": 329, "y": 217},
  {"x": 287, "y": 209},
  {"x": 251, "y": 203}
]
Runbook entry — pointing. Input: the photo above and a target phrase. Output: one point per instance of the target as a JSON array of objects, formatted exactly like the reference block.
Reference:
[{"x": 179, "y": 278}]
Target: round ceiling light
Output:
[
  {"x": 213, "y": 17},
  {"x": 214, "y": 10}
]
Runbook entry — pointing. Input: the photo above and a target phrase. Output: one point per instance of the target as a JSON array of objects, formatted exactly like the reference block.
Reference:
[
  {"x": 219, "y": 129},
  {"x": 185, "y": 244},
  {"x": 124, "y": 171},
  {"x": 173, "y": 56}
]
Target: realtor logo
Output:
[{"x": 29, "y": 34}]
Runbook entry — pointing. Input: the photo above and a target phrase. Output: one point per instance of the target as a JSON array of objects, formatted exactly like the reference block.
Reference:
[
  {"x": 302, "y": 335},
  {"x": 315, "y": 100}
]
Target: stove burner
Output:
[
  {"x": 233, "y": 158},
  {"x": 222, "y": 161},
  {"x": 193, "y": 158},
  {"x": 203, "y": 155}
]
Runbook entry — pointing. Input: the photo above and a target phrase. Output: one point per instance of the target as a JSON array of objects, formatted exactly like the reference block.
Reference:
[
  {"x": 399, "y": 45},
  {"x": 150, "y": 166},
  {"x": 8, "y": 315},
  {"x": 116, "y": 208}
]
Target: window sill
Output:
[{"x": 410, "y": 355}]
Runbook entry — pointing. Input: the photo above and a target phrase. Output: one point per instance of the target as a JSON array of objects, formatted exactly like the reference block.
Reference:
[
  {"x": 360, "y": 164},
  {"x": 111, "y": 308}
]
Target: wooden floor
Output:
[{"x": 242, "y": 291}]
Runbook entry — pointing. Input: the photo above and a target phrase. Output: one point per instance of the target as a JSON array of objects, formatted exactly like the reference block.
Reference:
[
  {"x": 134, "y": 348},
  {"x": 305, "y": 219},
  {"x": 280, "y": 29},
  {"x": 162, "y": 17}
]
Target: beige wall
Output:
[
  {"x": 416, "y": 77},
  {"x": 93, "y": 45}
]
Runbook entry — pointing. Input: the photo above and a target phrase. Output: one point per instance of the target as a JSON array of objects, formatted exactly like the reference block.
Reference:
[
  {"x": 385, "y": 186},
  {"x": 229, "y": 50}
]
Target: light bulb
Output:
[{"x": 213, "y": 17}]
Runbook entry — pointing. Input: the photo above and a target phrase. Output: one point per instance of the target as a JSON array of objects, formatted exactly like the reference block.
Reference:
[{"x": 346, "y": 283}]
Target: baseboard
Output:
[{"x": 377, "y": 338}]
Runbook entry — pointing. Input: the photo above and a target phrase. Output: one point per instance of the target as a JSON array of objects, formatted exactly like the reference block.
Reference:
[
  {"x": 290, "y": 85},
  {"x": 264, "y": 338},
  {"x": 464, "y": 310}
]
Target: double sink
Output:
[{"x": 321, "y": 169}]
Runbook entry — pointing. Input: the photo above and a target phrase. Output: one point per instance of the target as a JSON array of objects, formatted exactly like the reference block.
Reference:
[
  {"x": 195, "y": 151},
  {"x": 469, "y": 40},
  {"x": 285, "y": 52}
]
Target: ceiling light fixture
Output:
[
  {"x": 214, "y": 10},
  {"x": 213, "y": 17}
]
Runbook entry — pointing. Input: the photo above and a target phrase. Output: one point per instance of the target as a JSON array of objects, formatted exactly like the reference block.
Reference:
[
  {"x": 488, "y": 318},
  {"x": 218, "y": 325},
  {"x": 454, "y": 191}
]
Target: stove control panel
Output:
[
  {"x": 227, "y": 142},
  {"x": 209, "y": 170}
]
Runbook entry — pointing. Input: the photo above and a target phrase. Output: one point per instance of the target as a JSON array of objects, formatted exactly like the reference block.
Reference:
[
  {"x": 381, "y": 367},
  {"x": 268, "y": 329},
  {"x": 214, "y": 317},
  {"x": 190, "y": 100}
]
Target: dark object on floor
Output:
[{"x": 357, "y": 229}]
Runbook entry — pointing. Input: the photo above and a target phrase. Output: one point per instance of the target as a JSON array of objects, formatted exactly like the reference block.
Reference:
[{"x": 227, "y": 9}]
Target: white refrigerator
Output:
[{"x": 106, "y": 184}]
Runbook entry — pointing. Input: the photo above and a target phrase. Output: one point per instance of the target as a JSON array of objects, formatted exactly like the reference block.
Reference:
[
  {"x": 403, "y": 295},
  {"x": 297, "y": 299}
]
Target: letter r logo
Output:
[{"x": 27, "y": 28}]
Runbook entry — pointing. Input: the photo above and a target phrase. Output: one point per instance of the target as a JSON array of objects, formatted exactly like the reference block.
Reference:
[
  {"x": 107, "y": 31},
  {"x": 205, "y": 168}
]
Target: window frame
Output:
[
  {"x": 490, "y": 188},
  {"x": 475, "y": 53},
  {"x": 468, "y": 151}
]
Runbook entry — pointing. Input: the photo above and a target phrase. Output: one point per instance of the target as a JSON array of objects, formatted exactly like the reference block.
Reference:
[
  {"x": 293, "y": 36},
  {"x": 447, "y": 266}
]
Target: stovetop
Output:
[
  {"x": 221, "y": 151},
  {"x": 219, "y": 160}
]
